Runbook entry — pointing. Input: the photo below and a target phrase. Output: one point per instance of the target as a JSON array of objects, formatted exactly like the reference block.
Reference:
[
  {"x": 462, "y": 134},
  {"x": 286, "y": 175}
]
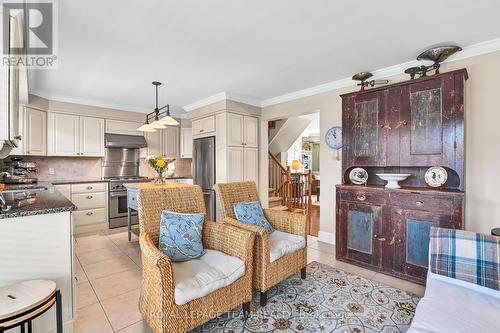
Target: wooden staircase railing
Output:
[
  {"x": 277, "y": 176},
  {"x": 295, "y": 189}
]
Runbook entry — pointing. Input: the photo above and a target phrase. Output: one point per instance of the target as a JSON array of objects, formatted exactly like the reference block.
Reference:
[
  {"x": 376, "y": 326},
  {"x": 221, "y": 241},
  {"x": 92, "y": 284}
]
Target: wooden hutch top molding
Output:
[{"x": 407, "y": 82}]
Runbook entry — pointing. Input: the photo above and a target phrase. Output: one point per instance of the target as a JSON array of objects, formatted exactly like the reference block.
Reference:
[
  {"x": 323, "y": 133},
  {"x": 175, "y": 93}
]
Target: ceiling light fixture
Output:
[{"x": 159, "y": 119}]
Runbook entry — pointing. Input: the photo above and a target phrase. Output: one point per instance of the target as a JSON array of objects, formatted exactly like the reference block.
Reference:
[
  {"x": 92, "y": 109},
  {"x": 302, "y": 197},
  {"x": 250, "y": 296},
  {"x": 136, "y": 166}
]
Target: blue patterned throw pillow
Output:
[
  {"x": 180, "y": 235},
  {"x": 252, "y": 213}
]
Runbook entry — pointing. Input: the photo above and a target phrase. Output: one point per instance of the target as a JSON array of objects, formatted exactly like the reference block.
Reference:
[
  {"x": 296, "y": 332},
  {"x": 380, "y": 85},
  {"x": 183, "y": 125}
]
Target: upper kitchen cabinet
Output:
[
  {"x": 186, "y": 142},
  {"x": 154, "y": 141},
  {"x": 35, "y": 132},
  {"x": 204, "y": 126},
  {"x": 365, "y": 124},
  {"x": 235, "y": 129},
  {"x": 431, "y": 121},
  {"x": 91, "y": 136},
  {"x": 63, "y": 134},
  {"x": 242, "y": 130},
  {"x": 122, "y": 127},
  {"x": 71, "y": 135},
  {"x": 171, "y": 144}
]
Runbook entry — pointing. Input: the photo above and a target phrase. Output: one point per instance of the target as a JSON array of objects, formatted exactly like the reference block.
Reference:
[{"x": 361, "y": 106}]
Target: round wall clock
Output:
[
  {"x": 333, "y": 137},
  {"x": 436, "y": 176}
]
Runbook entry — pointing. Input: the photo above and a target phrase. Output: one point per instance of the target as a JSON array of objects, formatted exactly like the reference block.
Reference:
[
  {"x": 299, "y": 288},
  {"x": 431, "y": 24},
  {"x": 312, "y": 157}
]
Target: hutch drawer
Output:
[
  {"x": 360, "y": 195},
  {"x": 421, "y": 201}
]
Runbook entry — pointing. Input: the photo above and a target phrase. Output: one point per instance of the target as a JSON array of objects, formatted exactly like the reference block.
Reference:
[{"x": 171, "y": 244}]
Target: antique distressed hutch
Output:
[{"x": 401, "y": 128}]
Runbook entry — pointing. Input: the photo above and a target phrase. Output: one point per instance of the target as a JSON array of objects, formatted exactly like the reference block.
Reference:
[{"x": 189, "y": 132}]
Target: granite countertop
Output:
[
  {"x": 152, "y": 184},
  {"x": 76, "y": 181},
  {"x": 30, "y": 200}
]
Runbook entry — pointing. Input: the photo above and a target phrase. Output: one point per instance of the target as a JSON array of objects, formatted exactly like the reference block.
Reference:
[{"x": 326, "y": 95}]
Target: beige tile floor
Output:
[{"x": 108, "y": 270}]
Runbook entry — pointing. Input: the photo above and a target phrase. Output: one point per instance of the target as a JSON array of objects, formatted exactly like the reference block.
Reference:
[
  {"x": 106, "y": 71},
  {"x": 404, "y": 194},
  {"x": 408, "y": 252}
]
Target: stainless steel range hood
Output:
[{"x": 125, "y": 141}]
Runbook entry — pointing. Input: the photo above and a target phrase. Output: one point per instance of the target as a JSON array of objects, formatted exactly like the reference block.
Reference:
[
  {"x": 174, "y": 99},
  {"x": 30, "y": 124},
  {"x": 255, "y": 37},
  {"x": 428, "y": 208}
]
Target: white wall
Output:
[{"x": 482, "y": 140}]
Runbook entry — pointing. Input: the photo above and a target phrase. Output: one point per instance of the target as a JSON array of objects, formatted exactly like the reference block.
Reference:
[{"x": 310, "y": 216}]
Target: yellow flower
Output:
[{"x": 160, "y": 164}]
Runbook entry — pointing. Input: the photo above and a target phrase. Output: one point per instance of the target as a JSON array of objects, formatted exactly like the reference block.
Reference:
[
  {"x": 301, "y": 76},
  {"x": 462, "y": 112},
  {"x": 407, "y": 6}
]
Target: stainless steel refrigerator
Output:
[{"x": 204, "y": 171}]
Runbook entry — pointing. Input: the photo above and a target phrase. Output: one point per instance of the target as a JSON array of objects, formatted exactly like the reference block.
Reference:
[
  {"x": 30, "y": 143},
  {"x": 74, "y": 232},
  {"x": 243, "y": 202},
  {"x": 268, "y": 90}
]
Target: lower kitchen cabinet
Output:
[
  {"x": 91, "y": 201},
  {"x": 388, "y": 230}
]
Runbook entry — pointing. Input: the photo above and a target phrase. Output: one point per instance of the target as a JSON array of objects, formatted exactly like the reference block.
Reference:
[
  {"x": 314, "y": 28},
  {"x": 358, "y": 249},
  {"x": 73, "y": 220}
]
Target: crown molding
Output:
[
  {"x": 94, "y": 103},
  {"x": 222, "y": 96}
]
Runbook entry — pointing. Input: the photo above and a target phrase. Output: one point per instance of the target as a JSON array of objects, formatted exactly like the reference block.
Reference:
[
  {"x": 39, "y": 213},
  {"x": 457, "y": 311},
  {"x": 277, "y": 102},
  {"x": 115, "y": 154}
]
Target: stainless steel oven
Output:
[
  {"x": 118, "y": 210},
  {"x": 121, "y": 165}
]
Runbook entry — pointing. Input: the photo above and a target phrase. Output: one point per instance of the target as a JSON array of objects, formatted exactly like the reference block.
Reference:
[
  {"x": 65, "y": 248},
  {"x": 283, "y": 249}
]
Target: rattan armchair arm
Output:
[
  {"x": 229, "y": 239},
  {"x": 261, "y": 239},
  {"x": 157, "y": 279},
  {"x": 292, "y": 223}
]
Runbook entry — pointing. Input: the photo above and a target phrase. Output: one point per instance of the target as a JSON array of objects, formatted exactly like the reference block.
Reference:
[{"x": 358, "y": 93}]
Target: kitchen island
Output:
[
  {"x": 132, "y": 189},
  {"x": 36, "y": 242}
]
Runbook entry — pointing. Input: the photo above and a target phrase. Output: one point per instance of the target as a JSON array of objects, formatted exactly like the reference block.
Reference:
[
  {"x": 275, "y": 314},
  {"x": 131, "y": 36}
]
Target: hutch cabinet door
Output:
[
  {"x": 365, "y": 129},
  {"x": 360, "y": 226},
  {"x": 427, "y": 123},
  {"x": 410, "y": 240}
]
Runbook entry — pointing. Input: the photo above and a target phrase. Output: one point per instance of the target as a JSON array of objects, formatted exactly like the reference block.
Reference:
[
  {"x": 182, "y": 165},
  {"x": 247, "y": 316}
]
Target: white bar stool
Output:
[{"x": 22, "y": 302}]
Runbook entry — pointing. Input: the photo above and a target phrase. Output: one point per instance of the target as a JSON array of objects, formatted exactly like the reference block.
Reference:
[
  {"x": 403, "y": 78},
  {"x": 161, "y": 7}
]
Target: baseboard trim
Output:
[{"x": 326, "y": 237}]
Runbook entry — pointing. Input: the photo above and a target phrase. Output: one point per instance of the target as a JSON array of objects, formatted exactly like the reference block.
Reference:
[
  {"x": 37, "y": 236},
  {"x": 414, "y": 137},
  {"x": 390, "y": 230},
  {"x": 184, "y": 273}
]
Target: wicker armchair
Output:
[
  {"x": 157, "y": 302},
  {"x": 267, "y": 273}
]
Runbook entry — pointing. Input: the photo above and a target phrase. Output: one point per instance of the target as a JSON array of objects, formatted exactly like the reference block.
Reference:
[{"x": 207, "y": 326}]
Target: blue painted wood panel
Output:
[
  {"x": 132, "y": 199},
  {"x": 360, "y": 230},
  {"x": 417, "y": 241}
]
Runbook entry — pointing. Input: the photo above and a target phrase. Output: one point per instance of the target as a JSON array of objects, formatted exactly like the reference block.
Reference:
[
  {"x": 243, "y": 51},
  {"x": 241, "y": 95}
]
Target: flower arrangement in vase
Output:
[{"x": 159, "y": 164}]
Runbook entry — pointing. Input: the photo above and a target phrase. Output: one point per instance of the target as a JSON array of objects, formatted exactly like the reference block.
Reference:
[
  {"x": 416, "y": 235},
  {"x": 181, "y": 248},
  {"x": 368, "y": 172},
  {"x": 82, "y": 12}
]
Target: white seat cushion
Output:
[
  {"x": 199, "y": 277},
  {"x": 451, "y": 308},
  {"x": 281, "y": 243}
]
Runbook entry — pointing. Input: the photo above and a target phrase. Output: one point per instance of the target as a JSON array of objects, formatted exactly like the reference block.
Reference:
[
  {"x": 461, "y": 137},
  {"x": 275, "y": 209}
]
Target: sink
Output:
[{"x": 393, "y": 178}]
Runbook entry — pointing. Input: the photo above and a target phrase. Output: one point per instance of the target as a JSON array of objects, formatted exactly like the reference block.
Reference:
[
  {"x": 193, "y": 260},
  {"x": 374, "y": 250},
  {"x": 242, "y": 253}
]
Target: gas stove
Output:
[{"x": 116, "y": 183}]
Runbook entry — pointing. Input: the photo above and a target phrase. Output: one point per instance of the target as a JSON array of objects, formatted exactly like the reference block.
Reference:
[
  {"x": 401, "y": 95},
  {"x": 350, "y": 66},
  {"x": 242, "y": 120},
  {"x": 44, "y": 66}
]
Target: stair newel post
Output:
[{"x": 289, "y": 187}]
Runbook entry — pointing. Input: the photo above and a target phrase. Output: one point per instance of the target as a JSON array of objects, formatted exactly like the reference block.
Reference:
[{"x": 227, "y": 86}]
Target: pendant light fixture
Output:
[{"x": 159, "y": 120}]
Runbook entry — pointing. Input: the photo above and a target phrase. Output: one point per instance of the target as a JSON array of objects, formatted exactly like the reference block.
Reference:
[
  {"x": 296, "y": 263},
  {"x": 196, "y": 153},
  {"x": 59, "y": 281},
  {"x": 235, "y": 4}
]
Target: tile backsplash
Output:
[
  {"x": 69, "y": 168},
  {"x": 182, "y": 168}
]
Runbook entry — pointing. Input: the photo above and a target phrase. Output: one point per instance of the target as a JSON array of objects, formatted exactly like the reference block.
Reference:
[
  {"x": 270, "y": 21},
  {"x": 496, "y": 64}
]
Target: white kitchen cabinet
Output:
[
  {"x": 65, "y": 190},
  {"x": 171, "y": 141},
  {"x": 251, "y": 132},
  {"x": 35, "y": 132},
  {"x": 91, "y": 136},
  {"x": 204, "y": 126},
  {"x": 91, "y": 202},
  {"x": 63, "y": 134},
  {"x": 235, "y": 167},
  {"x": 251, "y": 164},
  {"x": 186, "y": 142},
  {"x": 71, "y": 135},
  {"x": 242, "y": 130},
  {"x": 154, "y": 139},
  {"x": 122, "y": 127},
  {"x": 235, "y": 129}
]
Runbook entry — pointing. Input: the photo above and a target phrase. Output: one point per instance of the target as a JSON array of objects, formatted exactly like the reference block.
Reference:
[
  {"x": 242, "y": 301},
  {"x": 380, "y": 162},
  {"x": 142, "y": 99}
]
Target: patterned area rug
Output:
[{"x": 329, "y": 300}]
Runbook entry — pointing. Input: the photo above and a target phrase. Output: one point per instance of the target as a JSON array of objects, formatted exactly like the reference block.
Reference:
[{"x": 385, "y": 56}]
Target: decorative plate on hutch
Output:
[
  {"x": 333, "y": 137},
  {"x": 436, "y": 176},
  {"x": 358, "y": 176}
]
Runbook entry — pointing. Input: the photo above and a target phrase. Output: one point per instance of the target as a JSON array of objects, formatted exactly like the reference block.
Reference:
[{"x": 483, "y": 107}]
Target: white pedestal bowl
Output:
[{"x": 393, "y": 178}]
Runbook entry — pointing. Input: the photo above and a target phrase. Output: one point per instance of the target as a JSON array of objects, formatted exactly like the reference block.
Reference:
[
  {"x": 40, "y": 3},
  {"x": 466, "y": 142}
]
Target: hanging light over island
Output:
[{"x": 158, "y": 119}]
